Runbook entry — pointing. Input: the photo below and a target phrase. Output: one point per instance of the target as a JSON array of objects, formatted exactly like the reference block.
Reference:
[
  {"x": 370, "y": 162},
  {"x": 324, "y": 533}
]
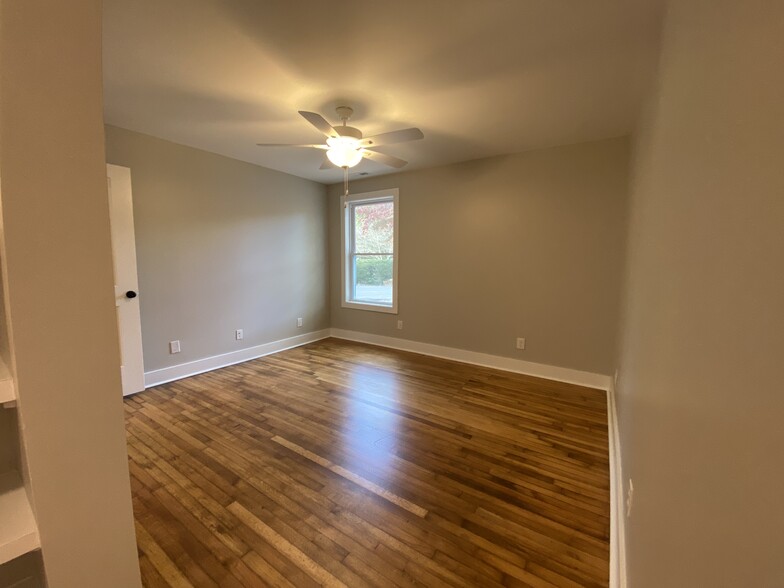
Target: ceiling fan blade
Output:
[
  {"x": 319, "y": 122},
  {"x": 384, "y": 158},
  {"x": 314, "y": 146},
  {"x": 400, "y": 136}
]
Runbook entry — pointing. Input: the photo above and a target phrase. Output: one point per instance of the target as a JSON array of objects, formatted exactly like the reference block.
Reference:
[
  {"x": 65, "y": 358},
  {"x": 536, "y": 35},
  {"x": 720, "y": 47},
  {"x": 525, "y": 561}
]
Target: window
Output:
[{"x": 370, "y": 251}]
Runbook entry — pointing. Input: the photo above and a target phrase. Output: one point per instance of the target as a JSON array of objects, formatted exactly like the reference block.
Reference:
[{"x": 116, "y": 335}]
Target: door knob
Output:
[{"x": 130, "y": 294}]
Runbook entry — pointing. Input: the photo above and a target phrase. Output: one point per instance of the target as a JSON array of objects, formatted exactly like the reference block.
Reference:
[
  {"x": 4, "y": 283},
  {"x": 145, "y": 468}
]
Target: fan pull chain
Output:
[{"x": 345, "y": 181}]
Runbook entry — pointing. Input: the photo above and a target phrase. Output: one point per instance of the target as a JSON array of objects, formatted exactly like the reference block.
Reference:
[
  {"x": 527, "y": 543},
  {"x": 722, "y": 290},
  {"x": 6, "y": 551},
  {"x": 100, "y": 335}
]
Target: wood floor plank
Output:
[
  {"x": 344, "y": 464},
  {"x": 285, "y": 547},
  {"x": 358, "y": 480},
  {"x": 163, "y": 565},
  {"x": 152, "y": 578}
]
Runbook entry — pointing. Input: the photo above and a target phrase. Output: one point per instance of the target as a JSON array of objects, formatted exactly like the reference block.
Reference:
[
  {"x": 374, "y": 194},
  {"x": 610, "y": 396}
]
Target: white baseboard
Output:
[
  {"x": 199, "y": 366},
  {"x": 183, "y": 370},
  {"x": 508, "y": 364},
  {"x": 617, "y": 511}
]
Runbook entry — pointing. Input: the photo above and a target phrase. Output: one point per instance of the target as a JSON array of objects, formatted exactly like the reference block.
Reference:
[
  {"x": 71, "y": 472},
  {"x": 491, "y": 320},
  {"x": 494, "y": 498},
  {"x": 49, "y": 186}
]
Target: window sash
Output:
[
  {"x": 350, "y": 253},
  {"x": 352, "y": 206},
  {"x": 353, "y": 280}
]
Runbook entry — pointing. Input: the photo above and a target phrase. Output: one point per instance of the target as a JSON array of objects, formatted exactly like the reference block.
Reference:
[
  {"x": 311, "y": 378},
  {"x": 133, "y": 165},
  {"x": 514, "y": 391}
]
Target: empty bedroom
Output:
[{"x": 435, "y": 293}]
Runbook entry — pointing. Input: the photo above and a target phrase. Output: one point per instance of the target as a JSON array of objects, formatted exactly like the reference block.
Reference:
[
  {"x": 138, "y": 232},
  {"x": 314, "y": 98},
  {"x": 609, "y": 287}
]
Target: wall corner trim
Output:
[
  {"x": 617, "y": 513},
  {"x": 199, "y": 366},
  {"x": 498, "y": 362}
]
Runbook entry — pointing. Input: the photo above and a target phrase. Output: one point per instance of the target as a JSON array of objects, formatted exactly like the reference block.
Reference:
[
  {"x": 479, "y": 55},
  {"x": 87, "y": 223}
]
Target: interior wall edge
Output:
[{"x": 617, "y": 518}]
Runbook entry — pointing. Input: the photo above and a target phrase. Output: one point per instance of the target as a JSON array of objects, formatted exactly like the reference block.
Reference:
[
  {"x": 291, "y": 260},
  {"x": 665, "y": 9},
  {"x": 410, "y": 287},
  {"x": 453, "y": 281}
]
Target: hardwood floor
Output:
[{"x": 342, "y": 464}]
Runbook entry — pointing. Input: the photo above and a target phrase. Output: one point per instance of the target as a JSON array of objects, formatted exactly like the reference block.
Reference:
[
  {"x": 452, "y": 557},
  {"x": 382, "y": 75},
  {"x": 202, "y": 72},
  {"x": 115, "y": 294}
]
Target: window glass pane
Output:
[
  {"x": 374, "y": 226},
  {"x": 373, "y": 279}
]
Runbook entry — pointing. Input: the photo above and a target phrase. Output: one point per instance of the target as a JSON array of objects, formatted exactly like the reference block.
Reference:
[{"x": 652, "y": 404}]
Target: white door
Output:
[{"x": 126, "y": 285}]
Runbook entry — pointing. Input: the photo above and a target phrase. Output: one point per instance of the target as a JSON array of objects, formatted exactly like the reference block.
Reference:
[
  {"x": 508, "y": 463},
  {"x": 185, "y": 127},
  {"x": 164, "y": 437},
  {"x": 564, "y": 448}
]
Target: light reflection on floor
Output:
[{"x": 369, "y": 433}]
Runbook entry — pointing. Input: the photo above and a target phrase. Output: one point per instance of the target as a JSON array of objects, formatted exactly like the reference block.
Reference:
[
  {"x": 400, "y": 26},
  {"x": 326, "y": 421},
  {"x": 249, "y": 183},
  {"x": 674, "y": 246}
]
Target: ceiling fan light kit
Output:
[
  {"x": 345, "y": 145},
  {"x": 344, "y": 151}
]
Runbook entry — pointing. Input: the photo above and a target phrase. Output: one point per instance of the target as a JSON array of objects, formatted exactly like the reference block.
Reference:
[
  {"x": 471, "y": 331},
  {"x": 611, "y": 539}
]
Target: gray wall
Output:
[
  {"x": 221, "y": 245},
  {"x": 527, "y": 245},
  {"x": 59, "y": 295},
  {"x": 701, "y": 395}
]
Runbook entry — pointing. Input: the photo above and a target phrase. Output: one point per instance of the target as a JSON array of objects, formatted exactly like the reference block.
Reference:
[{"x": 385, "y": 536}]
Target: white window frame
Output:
[{"x": 392, "y": 195}]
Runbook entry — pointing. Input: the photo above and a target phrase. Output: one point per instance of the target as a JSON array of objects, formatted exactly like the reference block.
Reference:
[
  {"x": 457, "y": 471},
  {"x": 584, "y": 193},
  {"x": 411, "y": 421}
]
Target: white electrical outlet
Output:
[
  {"x": 400, "y": 325},
  {"x": 629, "y": 498},
  {"x": 238, "y": 334},
  {"x": 521, "y": 342},
  {"x": 174, "y": 346},
  {"x": 299, "y": 322}
]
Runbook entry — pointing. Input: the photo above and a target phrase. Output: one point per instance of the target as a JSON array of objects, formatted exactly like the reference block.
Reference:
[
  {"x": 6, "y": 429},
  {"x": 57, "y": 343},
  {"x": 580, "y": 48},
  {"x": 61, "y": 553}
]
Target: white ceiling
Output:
[{"x": 479, "y": 77}]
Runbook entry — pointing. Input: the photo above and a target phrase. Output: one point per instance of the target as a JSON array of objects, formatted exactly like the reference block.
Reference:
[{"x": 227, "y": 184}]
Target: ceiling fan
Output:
[{"x": 345, "y": 146}]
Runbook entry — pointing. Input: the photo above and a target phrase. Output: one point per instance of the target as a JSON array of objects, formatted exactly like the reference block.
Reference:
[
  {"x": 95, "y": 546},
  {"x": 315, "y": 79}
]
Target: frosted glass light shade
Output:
[{"x": 344, "y": 151}]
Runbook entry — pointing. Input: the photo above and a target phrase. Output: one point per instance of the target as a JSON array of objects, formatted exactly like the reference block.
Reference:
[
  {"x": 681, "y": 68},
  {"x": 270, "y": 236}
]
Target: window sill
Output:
[{"x": 370, "y": 307}]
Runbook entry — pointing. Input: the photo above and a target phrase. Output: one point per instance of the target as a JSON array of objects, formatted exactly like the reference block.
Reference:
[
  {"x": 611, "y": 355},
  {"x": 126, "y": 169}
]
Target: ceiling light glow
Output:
[{"x": 344, "y": 151}]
